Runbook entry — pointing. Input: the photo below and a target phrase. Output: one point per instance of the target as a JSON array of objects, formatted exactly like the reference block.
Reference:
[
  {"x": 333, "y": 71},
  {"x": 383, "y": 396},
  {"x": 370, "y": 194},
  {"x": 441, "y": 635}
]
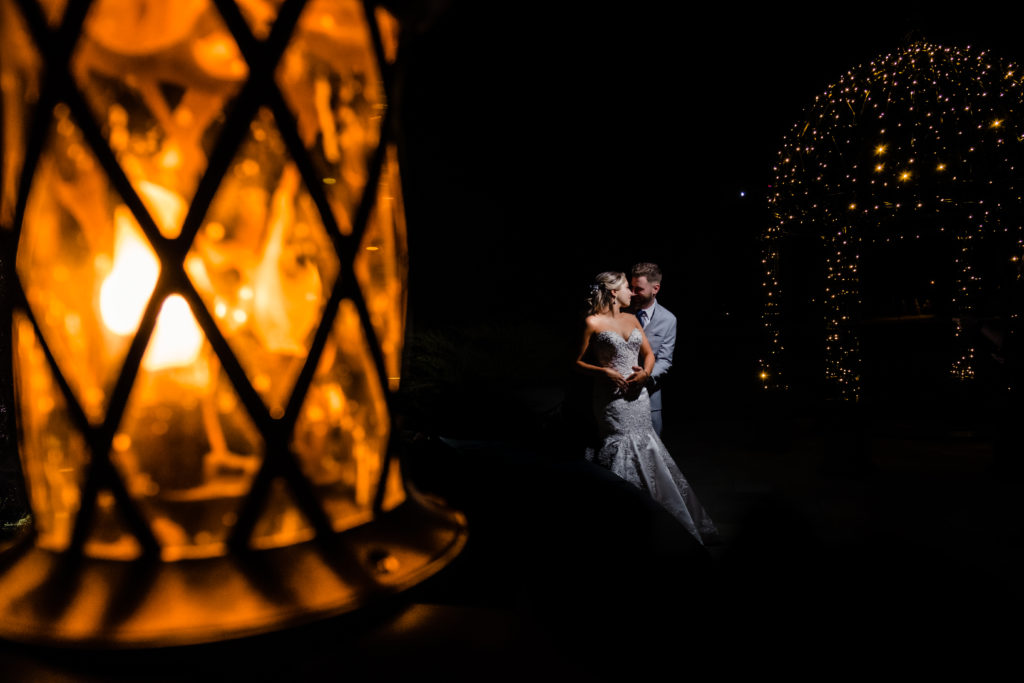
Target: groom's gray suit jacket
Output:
[{"x": 661, "y": 333}]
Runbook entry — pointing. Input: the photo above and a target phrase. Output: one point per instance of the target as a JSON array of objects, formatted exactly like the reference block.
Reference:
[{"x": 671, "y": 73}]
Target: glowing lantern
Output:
[{"x": 210, "y": 290}]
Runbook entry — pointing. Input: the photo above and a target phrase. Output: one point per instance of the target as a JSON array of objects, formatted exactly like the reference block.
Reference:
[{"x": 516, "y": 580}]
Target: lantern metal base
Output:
[{"x": 53, "y": 599}]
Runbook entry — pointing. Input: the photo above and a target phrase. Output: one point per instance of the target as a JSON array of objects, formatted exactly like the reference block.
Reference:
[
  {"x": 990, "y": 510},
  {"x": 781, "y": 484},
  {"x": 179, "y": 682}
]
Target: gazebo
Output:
[{"x": 896, "y": 199}]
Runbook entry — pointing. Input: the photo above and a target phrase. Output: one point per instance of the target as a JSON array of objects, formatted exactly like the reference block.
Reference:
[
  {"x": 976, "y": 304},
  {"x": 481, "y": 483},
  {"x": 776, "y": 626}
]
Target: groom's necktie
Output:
[{"x": 641, "y": 315}]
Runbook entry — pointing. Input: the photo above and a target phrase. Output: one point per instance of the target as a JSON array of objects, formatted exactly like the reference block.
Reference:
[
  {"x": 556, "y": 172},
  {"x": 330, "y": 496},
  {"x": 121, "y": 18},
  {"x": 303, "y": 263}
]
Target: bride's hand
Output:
[{"x": 616, "y": 378}]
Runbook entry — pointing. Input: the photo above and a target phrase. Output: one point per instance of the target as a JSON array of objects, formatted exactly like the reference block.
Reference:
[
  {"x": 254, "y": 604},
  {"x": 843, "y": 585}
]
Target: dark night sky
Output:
[{"x": 548, "y": 141}]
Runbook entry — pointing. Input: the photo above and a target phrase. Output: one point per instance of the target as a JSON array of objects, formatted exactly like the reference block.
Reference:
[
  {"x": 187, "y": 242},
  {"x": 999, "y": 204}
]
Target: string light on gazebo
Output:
[{"x": 923, "y": 142}]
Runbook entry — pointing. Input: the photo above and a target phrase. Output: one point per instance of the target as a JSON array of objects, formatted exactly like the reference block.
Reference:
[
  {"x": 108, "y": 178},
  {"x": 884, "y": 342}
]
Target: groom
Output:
[{"x": 659, "y": 326}]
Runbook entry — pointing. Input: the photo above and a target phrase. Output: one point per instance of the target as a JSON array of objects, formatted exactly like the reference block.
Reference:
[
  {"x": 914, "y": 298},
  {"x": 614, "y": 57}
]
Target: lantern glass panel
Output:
[
  {"x": 330, "y": 80},
  {"x": 207, "y": 302},
  {"x": 282, "y": 522},
  {"x": 158, "y": 80},
  {"x": 186, "y": 448},
  {"x": 20, "y": 67},
  {"x": 260, "y": 14},
  {"x": 54, "y": 11},
  {"x": 380, "y": 268},
  {"x": 110, "y": 538},
  {"x": 85, "y": 266},
  {"x": 263, "y": 263},
  {"x": 342, "y": 429},
  {"x": 389, "y": 30},
  {"x": 394, "y": 487},
  {"x": 53, "y": 451}
]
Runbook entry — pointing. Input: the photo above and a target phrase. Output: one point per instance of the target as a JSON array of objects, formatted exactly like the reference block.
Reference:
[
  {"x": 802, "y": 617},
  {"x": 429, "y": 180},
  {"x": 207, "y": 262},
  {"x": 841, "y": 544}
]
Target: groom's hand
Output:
[{"x": 638, "y": 377}]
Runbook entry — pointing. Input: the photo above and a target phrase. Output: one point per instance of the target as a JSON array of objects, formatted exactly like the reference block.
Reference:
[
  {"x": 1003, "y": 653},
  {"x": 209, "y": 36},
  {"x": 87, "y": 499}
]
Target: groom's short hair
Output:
[{"x": 651, "y": 271}]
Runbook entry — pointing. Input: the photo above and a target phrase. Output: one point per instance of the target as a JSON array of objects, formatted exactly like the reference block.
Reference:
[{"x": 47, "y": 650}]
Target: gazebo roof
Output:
[{"x": 925, "y": 138}]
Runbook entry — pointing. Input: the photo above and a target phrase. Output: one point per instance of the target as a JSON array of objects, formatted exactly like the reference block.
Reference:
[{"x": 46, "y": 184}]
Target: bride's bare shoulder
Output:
[{"x": 596, "y": 323}]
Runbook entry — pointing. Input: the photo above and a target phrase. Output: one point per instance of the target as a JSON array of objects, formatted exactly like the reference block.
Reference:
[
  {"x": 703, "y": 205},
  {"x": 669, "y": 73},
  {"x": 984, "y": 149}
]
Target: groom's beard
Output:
[{"x": 635, "y": 305}]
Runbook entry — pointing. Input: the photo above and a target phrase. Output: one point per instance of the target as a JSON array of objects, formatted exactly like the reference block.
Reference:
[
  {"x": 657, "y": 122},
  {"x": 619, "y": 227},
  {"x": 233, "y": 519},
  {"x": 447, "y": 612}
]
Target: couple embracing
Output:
[{"x": 628, "y": 352}]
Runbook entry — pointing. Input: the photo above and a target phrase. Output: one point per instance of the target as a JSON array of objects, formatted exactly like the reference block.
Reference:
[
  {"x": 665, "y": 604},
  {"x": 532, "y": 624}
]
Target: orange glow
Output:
[
  {"x": 260, "y": 14},
  {"x": 167, "y": 208},
  {"x": 380, "y": 268},
  {"x": 177, "y": 338},
  {"x": 264, "y": 263},
  {"x": 332, "y": 84},
  {"x": 54, "y": 462},
  {"x": 389, "y": 29},
  {"x": 125, "y": 292},
  {"x": 345, "y": 463},
  {"x": 19, "y": 92}
]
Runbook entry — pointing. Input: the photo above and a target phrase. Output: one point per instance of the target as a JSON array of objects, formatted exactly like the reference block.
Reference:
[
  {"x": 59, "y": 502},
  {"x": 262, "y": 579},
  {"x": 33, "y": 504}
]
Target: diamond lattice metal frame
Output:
[{"x": 399, "y": 548}]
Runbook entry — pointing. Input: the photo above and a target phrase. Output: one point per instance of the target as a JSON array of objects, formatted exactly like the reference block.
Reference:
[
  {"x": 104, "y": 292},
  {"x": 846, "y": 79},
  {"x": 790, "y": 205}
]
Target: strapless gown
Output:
[{"x": 630, "y": 447}]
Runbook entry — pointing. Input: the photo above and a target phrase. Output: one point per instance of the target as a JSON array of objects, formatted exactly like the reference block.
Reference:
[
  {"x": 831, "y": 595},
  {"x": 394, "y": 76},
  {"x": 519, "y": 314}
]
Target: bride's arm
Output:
[
  {"x": 642, "y": 373},
  {"x": 591, "y": 369}
]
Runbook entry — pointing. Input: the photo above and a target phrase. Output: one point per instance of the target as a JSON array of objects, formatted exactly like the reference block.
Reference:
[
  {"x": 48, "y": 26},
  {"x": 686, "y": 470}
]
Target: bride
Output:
[{"x": 613, "y": 344}]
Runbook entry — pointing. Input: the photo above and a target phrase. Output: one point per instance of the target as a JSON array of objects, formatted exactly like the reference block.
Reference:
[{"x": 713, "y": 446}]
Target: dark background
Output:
[{"x": 548, "y": 141}]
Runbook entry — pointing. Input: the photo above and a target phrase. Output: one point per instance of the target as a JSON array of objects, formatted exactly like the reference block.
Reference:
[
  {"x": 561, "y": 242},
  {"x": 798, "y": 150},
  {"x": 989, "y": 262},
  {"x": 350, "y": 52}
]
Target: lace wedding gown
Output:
[{"x": 630, "y": 447}]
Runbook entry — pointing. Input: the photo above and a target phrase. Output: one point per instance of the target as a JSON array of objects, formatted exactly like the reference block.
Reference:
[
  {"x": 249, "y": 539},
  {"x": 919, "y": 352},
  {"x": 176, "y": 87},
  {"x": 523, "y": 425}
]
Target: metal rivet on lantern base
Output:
[{"x": 56, "y": 599}]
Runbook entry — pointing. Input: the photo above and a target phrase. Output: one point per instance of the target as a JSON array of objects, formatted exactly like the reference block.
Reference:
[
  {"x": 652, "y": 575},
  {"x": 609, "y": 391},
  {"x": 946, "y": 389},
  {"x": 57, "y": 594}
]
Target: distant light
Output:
[{"x": 742, "y": 193}]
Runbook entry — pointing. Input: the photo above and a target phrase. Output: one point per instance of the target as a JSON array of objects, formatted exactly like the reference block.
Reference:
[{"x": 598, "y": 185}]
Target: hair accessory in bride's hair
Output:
[{"x": 594, "y": 289}]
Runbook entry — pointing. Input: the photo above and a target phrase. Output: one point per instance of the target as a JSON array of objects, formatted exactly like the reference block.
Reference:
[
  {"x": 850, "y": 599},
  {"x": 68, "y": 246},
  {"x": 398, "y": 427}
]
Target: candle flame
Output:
[
  {"x": 177, "y": 339},
  {"x": 125, "y": 292}
]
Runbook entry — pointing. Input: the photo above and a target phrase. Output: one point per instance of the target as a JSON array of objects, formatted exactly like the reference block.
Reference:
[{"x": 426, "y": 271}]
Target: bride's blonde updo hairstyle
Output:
[{"x": 599, "y": 298}]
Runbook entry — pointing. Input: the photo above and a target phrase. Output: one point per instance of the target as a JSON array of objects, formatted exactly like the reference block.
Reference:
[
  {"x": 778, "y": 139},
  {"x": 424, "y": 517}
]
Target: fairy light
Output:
[{"x": 920, "y": 143}]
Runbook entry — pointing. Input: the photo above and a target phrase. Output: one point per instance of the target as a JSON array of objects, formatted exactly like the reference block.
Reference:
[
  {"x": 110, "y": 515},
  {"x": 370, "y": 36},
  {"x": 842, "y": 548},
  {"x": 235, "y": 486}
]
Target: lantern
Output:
[{"x": 206, "y": 256}]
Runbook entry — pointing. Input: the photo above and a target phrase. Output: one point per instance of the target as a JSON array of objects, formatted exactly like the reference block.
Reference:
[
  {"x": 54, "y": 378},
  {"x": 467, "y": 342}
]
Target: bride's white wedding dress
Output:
[{"x": 630, "y": 447}]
